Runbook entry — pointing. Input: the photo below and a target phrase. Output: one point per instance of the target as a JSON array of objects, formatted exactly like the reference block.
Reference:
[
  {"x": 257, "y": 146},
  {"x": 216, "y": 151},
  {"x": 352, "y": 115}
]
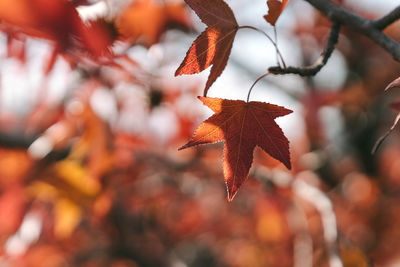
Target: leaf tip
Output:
[
  {"x": 178, "y": 72},
  {"x": 184, "y": 146},
  {"x": 288, "y": 165},
  {"x": 202, "y": 98},
  {"x": 231, "y": 194}
]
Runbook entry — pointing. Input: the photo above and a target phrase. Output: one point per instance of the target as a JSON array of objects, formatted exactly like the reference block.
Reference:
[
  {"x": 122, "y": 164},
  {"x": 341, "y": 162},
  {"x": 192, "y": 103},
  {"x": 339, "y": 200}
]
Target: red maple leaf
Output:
[
  {"x": 212, "y": 46},
  {"x": 243, "y": 126},
  {"x": 275, "y": 9}
]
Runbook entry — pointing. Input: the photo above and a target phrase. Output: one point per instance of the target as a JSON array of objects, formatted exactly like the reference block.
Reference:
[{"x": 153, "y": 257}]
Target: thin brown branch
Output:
[
  {"x": 388, "y": 19},
  {"x": 322, "y": 60}
]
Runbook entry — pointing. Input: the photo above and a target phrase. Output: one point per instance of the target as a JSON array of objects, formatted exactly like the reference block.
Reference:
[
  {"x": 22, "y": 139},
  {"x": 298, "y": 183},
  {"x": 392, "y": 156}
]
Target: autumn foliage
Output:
[{"x": 109, "y": 158}]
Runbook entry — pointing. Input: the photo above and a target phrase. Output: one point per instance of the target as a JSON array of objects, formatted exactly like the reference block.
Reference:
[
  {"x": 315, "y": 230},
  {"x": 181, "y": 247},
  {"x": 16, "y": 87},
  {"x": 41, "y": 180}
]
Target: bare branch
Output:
[
  {"x": 317, "y": 66},
  {"x": 362, "y": 25},
  {"x": 388, "y": 19}
]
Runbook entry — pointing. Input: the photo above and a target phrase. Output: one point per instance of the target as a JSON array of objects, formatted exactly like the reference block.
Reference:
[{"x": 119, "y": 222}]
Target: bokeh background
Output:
[{"x": 91, "y": 117}]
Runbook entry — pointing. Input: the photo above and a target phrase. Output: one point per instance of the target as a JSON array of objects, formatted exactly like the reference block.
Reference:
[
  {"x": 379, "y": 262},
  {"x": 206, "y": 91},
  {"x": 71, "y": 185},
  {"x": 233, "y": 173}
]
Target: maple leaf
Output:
[
  {"x": 275, "y": 9},
  {"x": 214, "y": 44},
  {"x": 243, "y": 126}
]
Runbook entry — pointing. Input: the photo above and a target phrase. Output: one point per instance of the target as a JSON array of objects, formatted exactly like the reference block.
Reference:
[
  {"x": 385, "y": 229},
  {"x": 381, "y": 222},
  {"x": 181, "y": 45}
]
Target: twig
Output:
[
  {"x": 256, "y": 81},
  {"x": 266, "y": 82},
  {"x": 383, "y": 137},
  {"x": 388, "y": 19},
  {"x": 276, "y": 42},
  {"x": 279, "y": 54},
  {"x": 322, "y": 60}
]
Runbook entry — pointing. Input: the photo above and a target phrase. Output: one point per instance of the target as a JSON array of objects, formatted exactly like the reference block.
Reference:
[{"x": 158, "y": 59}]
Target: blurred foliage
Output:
[{"x": 94, "y": 178}]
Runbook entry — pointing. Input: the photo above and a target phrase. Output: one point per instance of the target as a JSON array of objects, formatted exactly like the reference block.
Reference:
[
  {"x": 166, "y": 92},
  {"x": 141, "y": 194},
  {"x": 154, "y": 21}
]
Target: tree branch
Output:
[
  {"x": 317, "y": 66},
  {"x": 388, "y": 19},
  {"x": 362, "y": 25},
  {"x": 316, "y": 198}
]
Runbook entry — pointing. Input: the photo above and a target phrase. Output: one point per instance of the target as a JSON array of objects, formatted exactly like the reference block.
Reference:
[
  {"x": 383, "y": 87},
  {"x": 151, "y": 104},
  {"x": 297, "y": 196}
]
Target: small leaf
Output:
[
  {"x": 243, "y": 126},
  {"x": 394, "y": 84},
  {"x": 212, "y": 46},
  {"x": 275, "y": 9}
]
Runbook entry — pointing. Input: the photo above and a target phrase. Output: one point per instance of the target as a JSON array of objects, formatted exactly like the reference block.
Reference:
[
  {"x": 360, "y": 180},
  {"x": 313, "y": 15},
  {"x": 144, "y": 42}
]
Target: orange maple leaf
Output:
[
  {"x": 275, "y": 9},
  {"x": 243, "y": 126},
  {"x": 212, "y": 46}
]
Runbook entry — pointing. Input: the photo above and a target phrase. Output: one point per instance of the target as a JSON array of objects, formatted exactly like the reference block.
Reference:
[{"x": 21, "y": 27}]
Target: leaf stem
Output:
[
  {"x": 277, "y": 50},
  {"x": 276, "y": 42},
  {"x": 269, "y": 38},
  {"x": 256, "y": 81}
]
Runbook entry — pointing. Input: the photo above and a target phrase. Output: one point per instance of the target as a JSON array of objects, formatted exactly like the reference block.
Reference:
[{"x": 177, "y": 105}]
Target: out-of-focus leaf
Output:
[
  {"x": 67, "y": 216},
  {"x": 353, "y": 256},
  {"x": 11, "y": 210},
  {"x": 42, "y": 255},
  {"x": 78, "y": 176},
  {"x": 98, "y": 37},
  {"x": 144, "y": 21},
  {"x": 56, "y": 20},
  {"x": 43, "y": 191},
  {"x": 14, "y": 166}
]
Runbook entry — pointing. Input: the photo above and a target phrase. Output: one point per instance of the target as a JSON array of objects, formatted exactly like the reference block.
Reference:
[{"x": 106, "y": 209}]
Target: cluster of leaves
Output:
[{"x": 242, "y": 125}]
